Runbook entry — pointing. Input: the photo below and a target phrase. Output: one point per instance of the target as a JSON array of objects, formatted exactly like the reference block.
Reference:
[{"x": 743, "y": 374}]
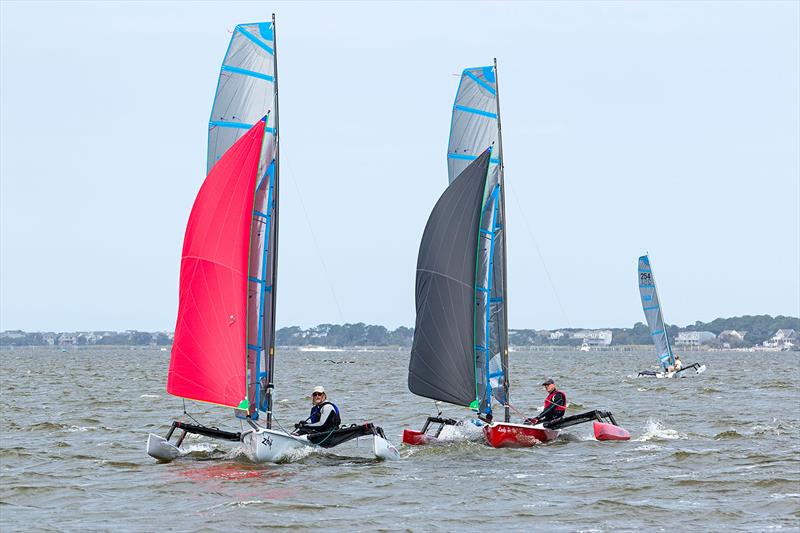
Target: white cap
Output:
[{"x": 319, "y": 388}]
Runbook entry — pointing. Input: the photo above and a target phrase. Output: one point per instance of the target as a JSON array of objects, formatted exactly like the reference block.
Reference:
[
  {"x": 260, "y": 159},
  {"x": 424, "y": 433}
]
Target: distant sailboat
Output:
[
  {"x": 460, "y": 348},
  {"x": 655, "y": 321},
  {"x": 224, "y": 347}
]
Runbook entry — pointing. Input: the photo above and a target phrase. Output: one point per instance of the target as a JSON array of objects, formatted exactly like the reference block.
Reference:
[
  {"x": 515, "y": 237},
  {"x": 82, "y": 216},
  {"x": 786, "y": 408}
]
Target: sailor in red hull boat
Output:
[{"x": 555, "y": 405}]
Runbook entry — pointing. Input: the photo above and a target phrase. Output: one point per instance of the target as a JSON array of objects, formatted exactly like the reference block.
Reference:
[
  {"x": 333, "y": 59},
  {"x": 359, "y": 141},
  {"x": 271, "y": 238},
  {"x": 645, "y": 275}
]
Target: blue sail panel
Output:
[
  {"x": 653, "y": 314},
  {"x": 245, "y": 90},
  {"x": 473, "y": 127}
]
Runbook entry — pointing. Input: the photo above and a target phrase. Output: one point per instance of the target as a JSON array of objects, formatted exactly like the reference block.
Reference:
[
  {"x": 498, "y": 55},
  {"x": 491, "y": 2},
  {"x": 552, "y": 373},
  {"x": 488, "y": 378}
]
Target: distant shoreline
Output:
[
  {"x": 388, "y": 349},
  {"x": 747, "y": 331}
]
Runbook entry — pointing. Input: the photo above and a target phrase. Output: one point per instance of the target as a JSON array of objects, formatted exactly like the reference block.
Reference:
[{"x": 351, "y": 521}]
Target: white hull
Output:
[
  {"x": 273, "y": 446},
  {"x": 159, "y": 448},
  {"x": 668, "y": 375}
]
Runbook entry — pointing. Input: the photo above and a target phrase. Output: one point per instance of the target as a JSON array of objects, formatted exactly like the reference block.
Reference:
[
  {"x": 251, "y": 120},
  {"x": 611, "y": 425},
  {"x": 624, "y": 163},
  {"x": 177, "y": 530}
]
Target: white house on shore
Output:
[
  {"x": 594, "y": 337},
  {"x": 694, "y": 338},
  {"x": 784, "y": 339}
]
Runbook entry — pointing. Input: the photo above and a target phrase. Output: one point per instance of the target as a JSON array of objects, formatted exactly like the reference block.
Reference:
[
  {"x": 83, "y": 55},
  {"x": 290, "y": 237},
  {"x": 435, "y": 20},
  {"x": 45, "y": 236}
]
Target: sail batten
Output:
[{"x": 653, "y": 313}]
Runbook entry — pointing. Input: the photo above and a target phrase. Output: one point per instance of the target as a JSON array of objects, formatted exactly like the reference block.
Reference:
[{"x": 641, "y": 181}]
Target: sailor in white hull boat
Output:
[
  {"x": 324, "y": 415},
  {"x": 555, "y": 405}
]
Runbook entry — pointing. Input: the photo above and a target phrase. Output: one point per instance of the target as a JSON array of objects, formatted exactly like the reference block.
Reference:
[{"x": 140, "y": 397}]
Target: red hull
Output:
[
  {"x": 417, "y": 438},
  {"x": 503, "y": 435},
  {"x": 610, "y": 432}
]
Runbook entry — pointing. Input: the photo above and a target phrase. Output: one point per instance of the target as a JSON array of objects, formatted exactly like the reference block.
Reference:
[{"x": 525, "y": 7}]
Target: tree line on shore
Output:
[{"x": 758, "y": 328}]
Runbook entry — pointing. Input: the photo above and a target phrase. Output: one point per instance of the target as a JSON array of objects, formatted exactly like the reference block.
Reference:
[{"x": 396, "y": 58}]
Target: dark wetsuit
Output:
[
  {"x": 554, "y": 407},
  {"x": 314, "y": 422}
]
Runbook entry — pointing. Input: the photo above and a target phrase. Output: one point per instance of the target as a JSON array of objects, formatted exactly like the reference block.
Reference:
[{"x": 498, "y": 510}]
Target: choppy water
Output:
[{"x": 716, "y": 451}]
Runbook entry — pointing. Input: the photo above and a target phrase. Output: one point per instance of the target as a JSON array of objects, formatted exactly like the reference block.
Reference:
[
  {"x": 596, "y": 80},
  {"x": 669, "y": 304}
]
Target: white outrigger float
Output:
[{"x": 224, "y": 347}]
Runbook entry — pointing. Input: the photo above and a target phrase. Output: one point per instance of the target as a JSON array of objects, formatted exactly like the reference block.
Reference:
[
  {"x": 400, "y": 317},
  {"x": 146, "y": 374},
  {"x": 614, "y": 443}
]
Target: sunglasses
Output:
[{"x": 318, "y": 394}]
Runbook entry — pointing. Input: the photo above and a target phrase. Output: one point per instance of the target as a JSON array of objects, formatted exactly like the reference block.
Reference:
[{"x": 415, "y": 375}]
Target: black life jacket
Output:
[{"x": 334, "y": 420}]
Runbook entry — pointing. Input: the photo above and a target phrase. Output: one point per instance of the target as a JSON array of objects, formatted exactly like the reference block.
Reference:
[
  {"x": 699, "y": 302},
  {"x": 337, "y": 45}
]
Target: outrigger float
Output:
[
  {"x": 224, "y": 347},
  {"x": 509, "y": 435},
  {"x": 460, "y": 349},
  {"x": 651, "y": 305}
]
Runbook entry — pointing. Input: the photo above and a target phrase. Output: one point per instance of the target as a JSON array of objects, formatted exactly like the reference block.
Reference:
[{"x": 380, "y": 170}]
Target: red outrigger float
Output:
[
  {"x": 509, "y": 435},
  {"x": 506, "y": 435}
]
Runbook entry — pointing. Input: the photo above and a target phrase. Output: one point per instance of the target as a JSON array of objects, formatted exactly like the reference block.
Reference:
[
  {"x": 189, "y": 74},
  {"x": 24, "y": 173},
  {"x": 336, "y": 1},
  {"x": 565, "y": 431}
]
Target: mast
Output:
[
  {"x": 661, "y": 310},
  {"x": 271, "y": 348},
  {"x": 507, "y": 414}
]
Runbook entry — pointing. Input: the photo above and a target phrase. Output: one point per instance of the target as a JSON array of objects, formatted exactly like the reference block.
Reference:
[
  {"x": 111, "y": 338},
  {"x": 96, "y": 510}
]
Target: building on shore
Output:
[
  {"x": 694, "y": 338},
  {"x": 594, "y": 337},
  {"x": 785, "y": 339}
]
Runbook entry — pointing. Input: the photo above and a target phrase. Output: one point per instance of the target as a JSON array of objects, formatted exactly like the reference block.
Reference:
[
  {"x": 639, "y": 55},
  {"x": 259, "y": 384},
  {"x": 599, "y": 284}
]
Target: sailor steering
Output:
[
  {"x": 555, "y": 405},
  {"x": 324, "y": 415}
]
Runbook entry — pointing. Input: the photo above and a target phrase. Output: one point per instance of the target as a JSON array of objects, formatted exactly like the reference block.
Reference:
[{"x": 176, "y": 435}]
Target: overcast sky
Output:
[{"x": 628, "y": 127}]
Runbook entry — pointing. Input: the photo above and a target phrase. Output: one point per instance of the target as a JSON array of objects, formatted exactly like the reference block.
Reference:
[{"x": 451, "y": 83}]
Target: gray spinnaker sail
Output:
[
  {"x": 442, "y": 364},
  {"x": 653, "y": 314},
  {"x": 474, "y": 124},
  {"x": 245, "y": 93}
]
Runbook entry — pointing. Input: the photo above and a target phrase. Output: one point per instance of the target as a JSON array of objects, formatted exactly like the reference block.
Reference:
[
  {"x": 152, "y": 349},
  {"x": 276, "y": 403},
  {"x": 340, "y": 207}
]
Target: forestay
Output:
[
  {"x": 653, "y": 313},
  {"x": 442, "y": 363}
]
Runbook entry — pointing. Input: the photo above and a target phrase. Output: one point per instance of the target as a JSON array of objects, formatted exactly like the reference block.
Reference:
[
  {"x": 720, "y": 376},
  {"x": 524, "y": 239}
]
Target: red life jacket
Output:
[{"x": 549, "y": 400}]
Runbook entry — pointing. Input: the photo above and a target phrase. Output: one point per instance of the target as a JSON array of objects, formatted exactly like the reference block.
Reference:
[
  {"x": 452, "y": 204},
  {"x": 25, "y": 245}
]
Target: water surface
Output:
[{"x": 708, "y": 452}]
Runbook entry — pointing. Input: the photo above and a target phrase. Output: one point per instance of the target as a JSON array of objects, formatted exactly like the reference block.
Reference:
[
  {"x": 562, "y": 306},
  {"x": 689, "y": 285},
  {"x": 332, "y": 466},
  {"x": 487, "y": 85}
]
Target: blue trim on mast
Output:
[
  {"x": 489, "y": 393},
  {"x": 265, "y": 288},
  {"x": 491, "y": 202}
]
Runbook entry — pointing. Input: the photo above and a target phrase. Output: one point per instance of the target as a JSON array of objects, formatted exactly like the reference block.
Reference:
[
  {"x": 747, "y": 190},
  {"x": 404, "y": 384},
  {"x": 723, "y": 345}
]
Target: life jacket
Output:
[
  {"x": 334, "y": 420},
  {"x": 558, "y": 408}
]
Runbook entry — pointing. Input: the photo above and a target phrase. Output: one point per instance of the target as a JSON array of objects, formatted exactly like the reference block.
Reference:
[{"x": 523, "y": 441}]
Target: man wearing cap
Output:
[
  {"x": 324, "y": 414},
  {"x": 554, "y": 405}
]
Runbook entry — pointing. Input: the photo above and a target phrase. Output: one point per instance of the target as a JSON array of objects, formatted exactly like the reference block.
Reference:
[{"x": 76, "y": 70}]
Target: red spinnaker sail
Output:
[{"x": 209, "y": 353}]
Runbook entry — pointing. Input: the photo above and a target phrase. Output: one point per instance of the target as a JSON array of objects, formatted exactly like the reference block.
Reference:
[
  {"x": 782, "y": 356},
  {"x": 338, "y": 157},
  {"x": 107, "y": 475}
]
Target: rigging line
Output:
[
  {"x": 314, "y": 238},
  {"x": 190, "y": 416},
  {"x": 541, "y": 257}
]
